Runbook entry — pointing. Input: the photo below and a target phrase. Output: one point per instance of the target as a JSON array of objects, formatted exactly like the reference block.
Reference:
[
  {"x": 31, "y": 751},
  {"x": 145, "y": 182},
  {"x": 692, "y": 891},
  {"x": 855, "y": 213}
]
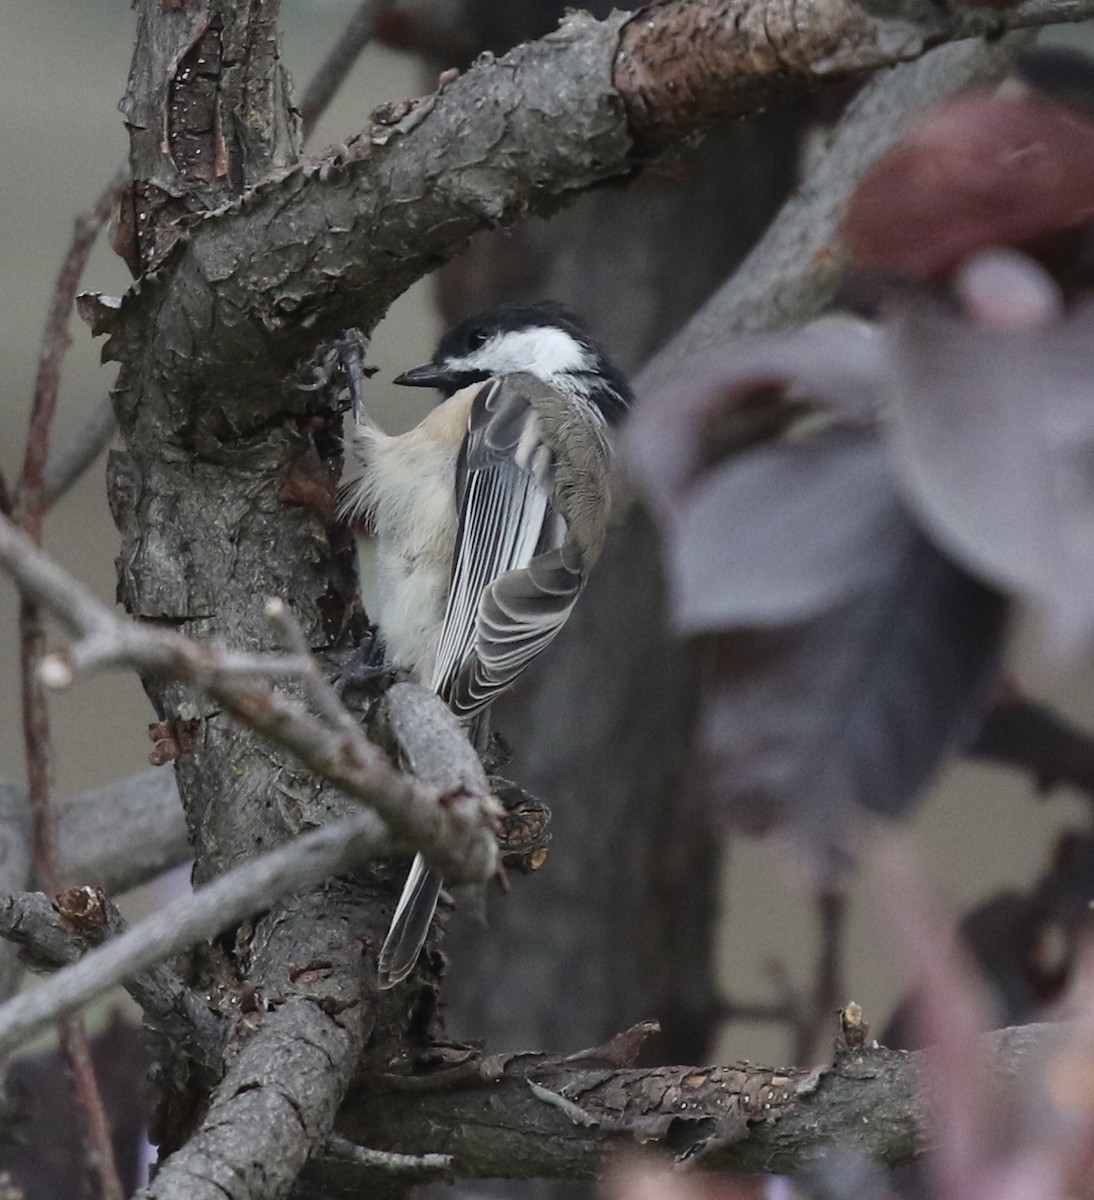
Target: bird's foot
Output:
[
  {"x": 366, "y": 675},
  {"x": 525, "y": 827}
]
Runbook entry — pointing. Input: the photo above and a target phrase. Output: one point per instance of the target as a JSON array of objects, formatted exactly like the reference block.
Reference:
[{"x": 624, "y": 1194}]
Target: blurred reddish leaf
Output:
[{"x": 983, "y": 170}]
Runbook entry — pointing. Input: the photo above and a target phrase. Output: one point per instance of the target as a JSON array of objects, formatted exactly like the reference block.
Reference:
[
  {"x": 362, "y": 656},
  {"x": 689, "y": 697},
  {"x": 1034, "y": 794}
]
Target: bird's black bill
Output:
[
  {"x": 429, "y": 375},
  {"x": 446, "y": 379}
]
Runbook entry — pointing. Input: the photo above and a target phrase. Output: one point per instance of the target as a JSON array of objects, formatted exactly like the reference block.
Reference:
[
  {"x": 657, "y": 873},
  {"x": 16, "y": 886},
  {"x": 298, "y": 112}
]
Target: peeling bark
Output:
[
  {"x": 290, "y": 261},
  {"x": 738, "y": 1118}
]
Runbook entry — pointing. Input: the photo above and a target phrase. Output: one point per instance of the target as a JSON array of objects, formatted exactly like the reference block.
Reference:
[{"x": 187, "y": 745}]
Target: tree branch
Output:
[
  {"x": 742, "y": 1118},
  {"x": 417, "y": 1167},
  {"x": 30, "y": 498},
  {"x": 124, "y": 834},
  {"x": 220, "y": 905},
  {"x": 117, "y": 837},
  {"x": 339, "y": 62},
  {"x": 30, "y": 508},
  {"x": 316, "y": 1006},
  {"x": 505, "y": 141},
  {"x": 793, "y": 272},
  {"x": 454, "y": 832},
  {"x": 54, "y": 934},
  {"x": 408, "y": 716},
  {"x": 67, "y": 465}
]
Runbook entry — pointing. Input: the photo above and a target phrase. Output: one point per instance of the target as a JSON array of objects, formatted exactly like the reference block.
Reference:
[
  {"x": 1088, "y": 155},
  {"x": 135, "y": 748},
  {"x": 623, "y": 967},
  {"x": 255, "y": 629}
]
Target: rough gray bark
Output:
[
  {"x": 207, "y": 537},
  {"x": 738, "y": 1118},
  {"x": 251, "y": 887},
  {"x": 294, "y": 1057}
]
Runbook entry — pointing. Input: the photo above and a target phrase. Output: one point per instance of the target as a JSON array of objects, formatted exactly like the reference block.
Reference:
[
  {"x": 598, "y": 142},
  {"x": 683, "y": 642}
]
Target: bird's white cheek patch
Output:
[{"x": 541, "y": 351}]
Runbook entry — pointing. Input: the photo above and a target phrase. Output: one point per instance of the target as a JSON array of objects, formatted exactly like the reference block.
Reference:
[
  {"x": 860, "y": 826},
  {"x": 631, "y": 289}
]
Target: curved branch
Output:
[
  {"x": 453, "y": 827},
  {"x": 116, "y": 837},
  {"x": 340, "y": 61},
  {"x": 67, "y": 464},
  {"x": 53, "y": 934},
  {"x": 265, "y": 278}
]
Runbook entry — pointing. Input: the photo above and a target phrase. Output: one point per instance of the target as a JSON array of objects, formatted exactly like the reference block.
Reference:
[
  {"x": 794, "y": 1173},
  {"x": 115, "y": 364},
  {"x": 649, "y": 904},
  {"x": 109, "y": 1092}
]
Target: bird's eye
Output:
[{"x": 477, "y": 338}]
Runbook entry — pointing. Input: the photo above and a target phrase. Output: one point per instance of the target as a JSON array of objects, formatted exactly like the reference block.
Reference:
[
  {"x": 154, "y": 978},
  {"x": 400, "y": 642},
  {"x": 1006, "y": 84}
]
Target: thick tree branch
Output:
[
  {"x": 726, "y": 1118},
  {"x": 278, "y": 1098},
  {"x": 503, "y": 142}
]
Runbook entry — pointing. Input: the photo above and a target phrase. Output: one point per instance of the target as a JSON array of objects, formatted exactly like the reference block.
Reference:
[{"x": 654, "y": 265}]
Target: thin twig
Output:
[
  {"x": 30, "y": 496},
  {"x": 828, "y": 989},
  {"x": 415, "y": 1166},
  {"x": 29, "y": 510},
  {"x": 75, "y": 1048},
  {"x": 323, "y": 696},
  {"x": 220, "y": 905},
  {"x": 5, "y": 497},
  {"x": 67, "y": 465},
  {"x": 98, "y": 1146},
  {"x": 339, "y": 62},
  {"x": 453, "y": 831},
  {"x": 43, "y": 820}
]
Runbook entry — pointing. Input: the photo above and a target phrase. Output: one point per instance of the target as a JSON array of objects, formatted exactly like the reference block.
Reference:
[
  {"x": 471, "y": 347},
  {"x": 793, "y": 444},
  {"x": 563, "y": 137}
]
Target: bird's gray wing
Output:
[{"x": 516, "y": 573}]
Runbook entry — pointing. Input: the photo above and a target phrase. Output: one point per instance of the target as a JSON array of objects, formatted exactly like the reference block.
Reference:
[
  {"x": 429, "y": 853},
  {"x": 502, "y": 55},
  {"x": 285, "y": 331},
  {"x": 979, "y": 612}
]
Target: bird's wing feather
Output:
[{"x": 515, "y": 574}]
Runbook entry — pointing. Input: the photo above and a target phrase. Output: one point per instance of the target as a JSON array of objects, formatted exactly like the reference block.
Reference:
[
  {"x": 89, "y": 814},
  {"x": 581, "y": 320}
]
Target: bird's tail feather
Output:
[
  {"x": 418, "y": 902},
  {"x": 410, "y": 924}
]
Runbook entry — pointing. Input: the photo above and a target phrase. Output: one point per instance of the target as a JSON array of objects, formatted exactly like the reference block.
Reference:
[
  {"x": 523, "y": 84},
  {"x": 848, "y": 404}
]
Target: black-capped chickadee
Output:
[{"x": 488, "y": 517}]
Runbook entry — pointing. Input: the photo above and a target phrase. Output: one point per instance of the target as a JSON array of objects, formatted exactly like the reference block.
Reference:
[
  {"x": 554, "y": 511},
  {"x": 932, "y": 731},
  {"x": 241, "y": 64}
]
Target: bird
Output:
[{"x": 488, "y": 517}]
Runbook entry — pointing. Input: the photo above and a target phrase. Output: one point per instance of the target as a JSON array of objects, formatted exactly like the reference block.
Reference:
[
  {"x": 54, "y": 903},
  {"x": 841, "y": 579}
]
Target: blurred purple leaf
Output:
[
  {"x": 993, "y": 433},
  {"x": 785, "y": 532},
  {"x": 812, "y": 724},
  {"x": 983, "y": 169},
  {"x": 843, "y": 654},
  {"x": 746, "y": 392}
]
